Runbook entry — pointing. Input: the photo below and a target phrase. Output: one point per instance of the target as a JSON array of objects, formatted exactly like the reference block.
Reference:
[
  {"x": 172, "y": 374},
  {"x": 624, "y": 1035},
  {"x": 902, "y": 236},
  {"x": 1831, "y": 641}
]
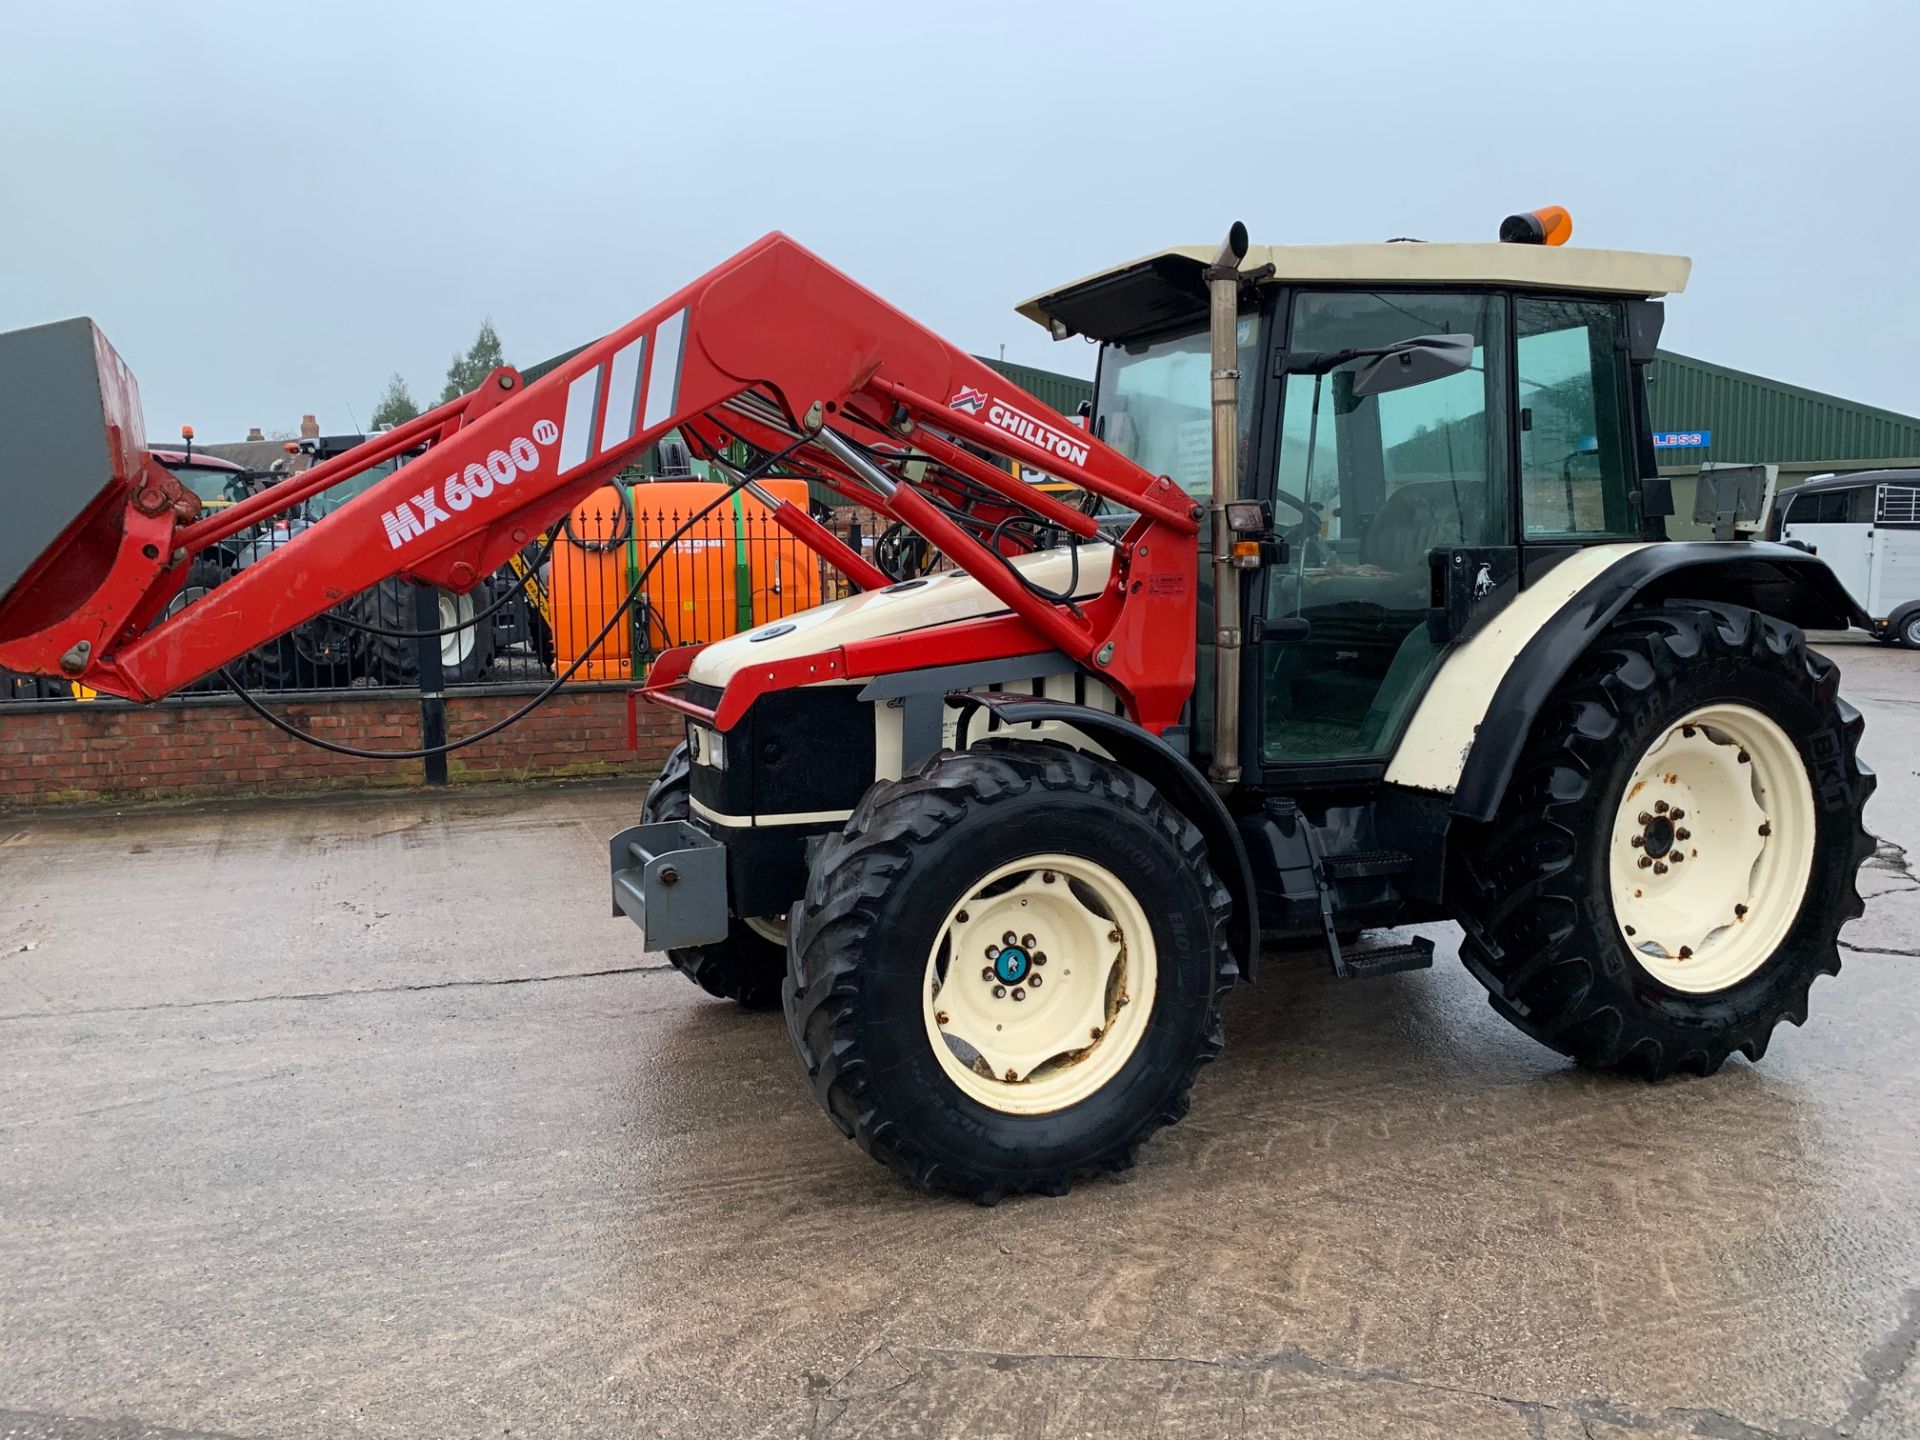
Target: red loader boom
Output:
[{"x": 774, "y": 347}]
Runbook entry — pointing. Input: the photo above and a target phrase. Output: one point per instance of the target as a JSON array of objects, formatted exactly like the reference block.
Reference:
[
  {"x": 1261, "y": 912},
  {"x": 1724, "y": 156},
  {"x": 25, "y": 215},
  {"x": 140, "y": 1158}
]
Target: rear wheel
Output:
[
  {"x": 1910, "y": 631},
  {"x": 1676, "y": 854},
  {"x": 203, "y": 575},
  {"x": 750, "y": 963},
  {"x": 465, "y": 652},
  {"x": 1008, "y": 968},
  {"x": 322, "y": 654}
]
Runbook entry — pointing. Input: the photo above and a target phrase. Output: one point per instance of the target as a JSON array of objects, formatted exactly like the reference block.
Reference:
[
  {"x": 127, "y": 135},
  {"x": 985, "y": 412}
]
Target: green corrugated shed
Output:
[
  {"x": 1063, "y": 392},
  {"x": 1757, "y": 421}
]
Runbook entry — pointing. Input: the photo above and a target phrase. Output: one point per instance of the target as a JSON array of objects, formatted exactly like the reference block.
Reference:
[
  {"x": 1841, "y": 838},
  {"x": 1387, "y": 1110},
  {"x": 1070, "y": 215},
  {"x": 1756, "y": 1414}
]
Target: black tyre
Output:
[
  {"x": 1677, "y": 852},
  {"x": 1909, "y": 631},
  {"x": 203, "y": 575},
  {"x": 465, "y": 653},
  {"x": 320, "y": 655},
  {"x": 749, "y": 965},
  {"x": 904, "y": 1028}
]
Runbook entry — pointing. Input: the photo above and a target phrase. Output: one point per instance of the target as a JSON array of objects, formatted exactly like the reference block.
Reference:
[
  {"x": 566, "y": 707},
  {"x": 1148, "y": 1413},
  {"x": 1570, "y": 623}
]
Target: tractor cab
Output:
[{"x": 1429, "y": 428}]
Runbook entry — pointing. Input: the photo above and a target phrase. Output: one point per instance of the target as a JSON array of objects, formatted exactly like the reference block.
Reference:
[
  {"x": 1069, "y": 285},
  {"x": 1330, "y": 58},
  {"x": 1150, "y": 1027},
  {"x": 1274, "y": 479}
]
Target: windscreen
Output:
[{"x": 1153, "y": 403}]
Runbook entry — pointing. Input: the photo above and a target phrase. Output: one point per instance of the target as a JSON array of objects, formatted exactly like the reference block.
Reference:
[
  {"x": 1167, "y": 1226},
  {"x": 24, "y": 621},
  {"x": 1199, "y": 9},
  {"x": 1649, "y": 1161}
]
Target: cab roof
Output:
[{"x": 1164, "y": 287}]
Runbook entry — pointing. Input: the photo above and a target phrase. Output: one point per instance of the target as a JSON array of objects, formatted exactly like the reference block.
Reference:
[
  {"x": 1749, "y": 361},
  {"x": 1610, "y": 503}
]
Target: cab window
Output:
[
  {"x": 1576, "y": 437},
  {"x": 1382, "y": 460}
]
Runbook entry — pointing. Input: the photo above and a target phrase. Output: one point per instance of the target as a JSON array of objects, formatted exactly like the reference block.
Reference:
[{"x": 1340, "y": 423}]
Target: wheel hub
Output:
[
  {"x": 1015, "y": 959},
  {"x": 1040, "y": 984},
  {"x": 1712, "y": 847}
]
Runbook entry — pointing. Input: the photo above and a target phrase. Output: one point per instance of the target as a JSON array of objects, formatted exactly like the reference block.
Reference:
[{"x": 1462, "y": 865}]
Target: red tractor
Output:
[{"x": 1360, "y": 613}]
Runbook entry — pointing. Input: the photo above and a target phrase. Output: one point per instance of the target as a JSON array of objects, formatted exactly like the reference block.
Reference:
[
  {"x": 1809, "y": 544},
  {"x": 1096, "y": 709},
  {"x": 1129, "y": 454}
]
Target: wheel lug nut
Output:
[
  {"x": 1645, "y": 818},
  {"x": 986, "y": 972},
  {"x": 1659, "y": 867},
  {"x": 1683, "y": 833},
  {"x": 993, "y": 952},
  {"x": 1034, "y": 980},
  {"x": 1678, "y": 856},
  {"x": 1645, "y": 861},
  {"x": 1009, "y": 938},
  {"x": 1659, "y": 807},
  {"x": 1039, "y": 957},
  {"x": 1676, "y": 814},
  {"x": 1637, "y": 841},
  {"x": 1026, "y": 942},
  {"x": 999, "y": 992},
  {"x": 961, "y": 918},
  {"x": 1019, "y": 994},
  {"x": 1046, "y": 877}
]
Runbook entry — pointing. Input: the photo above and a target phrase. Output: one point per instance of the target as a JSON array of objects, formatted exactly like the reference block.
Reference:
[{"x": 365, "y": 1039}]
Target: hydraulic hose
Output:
[{"x": 356, "y": 752}]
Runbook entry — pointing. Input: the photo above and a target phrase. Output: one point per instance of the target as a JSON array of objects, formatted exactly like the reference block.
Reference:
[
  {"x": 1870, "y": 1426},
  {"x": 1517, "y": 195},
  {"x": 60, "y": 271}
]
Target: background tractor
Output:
[{"x": 1358, "y": 612}]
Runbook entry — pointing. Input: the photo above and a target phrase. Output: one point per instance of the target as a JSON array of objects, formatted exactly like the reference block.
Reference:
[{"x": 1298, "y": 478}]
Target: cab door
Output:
[{"x": 1370, "y": 479}]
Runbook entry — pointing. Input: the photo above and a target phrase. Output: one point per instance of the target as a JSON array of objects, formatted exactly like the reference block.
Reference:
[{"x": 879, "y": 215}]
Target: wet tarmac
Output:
[{"x": 361, "y": 1117}]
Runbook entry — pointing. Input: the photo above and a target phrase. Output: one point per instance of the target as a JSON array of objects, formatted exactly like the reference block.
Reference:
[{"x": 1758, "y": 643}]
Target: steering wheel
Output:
[{"x": 1306, "y": 531}]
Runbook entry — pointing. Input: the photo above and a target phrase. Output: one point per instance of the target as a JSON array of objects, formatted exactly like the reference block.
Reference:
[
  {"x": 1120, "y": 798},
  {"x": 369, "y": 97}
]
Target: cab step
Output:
[{"x": 1417, "y": 954}]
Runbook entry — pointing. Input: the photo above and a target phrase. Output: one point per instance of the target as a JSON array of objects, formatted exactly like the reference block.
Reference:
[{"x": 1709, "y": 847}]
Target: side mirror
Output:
[{"x": 1413, "y": 362}]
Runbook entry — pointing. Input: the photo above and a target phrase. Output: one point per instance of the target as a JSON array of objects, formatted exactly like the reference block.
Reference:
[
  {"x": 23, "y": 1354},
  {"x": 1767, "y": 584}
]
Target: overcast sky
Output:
[{"x": 269, "y": 208}]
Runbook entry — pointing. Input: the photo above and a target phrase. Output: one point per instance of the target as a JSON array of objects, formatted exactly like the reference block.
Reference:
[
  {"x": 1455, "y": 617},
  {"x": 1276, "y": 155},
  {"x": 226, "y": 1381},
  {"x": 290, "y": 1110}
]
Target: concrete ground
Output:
[{"x": 361, "y": 1117}]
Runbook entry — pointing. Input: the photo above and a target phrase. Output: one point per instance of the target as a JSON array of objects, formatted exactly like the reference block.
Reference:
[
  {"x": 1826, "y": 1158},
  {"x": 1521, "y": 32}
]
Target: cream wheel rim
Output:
[
  {"x": 456, "y": 645},
  {"x": 1040, "y": 984},
  {"x": 1712, "y": 848},
  {"x": 770, "y": 928}
]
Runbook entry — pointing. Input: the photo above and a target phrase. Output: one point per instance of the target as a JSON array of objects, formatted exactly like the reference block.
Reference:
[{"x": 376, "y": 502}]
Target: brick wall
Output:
[{"x": 67, "y": 751}]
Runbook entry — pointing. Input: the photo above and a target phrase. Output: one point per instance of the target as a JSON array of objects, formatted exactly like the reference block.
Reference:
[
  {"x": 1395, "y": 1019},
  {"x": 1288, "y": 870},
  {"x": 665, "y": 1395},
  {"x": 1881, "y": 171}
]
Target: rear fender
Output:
[
  {"x": 1162, "y": 767},
  {"x": 1466, "y": 735}
]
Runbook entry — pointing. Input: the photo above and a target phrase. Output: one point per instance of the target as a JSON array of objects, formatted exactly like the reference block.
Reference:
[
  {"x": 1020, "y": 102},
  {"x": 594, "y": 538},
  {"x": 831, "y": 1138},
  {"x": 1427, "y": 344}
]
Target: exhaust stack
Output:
[{"x": 1224, "y": 279}]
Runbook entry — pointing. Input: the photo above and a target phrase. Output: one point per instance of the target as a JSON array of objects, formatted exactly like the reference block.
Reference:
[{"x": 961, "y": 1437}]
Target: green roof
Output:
[{"x": 1755, "y": 420}]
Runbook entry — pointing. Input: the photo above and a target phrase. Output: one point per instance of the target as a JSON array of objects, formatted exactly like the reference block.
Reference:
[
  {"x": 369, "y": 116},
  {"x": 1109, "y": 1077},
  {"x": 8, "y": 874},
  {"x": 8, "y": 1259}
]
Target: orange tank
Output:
[{"x": 736, "y": 568}]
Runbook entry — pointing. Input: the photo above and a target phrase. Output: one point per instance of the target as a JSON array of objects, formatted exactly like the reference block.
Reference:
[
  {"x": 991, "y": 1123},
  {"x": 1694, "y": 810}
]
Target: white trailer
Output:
[{"x": 1866, "y": 527}]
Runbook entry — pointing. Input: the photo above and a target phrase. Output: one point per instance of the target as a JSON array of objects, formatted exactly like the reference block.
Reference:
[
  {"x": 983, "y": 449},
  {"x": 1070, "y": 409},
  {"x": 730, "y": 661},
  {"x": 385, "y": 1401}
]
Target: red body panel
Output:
[{"x": 770, "y": 346}]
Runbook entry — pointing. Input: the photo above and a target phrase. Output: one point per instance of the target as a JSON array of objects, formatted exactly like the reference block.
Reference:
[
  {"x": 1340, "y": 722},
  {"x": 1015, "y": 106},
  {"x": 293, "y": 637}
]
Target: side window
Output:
[
  {"x": 1833, "y": 507},
  {"x": 1576, "y": 437}
]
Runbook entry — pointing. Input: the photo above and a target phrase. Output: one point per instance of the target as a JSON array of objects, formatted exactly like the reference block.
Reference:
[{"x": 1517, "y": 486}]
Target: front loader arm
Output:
[{"x": 774, "y": 347}]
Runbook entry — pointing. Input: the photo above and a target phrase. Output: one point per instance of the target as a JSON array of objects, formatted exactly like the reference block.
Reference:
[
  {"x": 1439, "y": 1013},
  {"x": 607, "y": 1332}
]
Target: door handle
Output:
[{"x": 1287, "y": 631}]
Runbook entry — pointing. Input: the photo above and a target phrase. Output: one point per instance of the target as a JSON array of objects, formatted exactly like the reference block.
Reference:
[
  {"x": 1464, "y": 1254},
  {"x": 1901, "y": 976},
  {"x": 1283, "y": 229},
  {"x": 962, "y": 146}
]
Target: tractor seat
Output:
[{"x": 1421, "y": 517}]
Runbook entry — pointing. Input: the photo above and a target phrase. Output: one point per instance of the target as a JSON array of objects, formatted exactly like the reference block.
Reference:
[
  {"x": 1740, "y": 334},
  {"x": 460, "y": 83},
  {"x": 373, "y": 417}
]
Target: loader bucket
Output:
[{"x": 71, "y": 446}]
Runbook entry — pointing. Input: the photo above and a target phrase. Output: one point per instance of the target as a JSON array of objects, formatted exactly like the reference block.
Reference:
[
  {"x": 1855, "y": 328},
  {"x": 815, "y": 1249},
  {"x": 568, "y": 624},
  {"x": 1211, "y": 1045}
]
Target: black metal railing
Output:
[{"x": 560, "y": 601}]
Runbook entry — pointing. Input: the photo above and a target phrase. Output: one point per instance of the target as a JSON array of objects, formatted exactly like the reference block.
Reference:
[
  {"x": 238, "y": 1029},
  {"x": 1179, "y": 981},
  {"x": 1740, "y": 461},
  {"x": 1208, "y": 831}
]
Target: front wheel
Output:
[
  {"x": 1675, "y": 857},
  {"x": 1007, "y": 969},
  {"x": 747, "y": 966}
]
